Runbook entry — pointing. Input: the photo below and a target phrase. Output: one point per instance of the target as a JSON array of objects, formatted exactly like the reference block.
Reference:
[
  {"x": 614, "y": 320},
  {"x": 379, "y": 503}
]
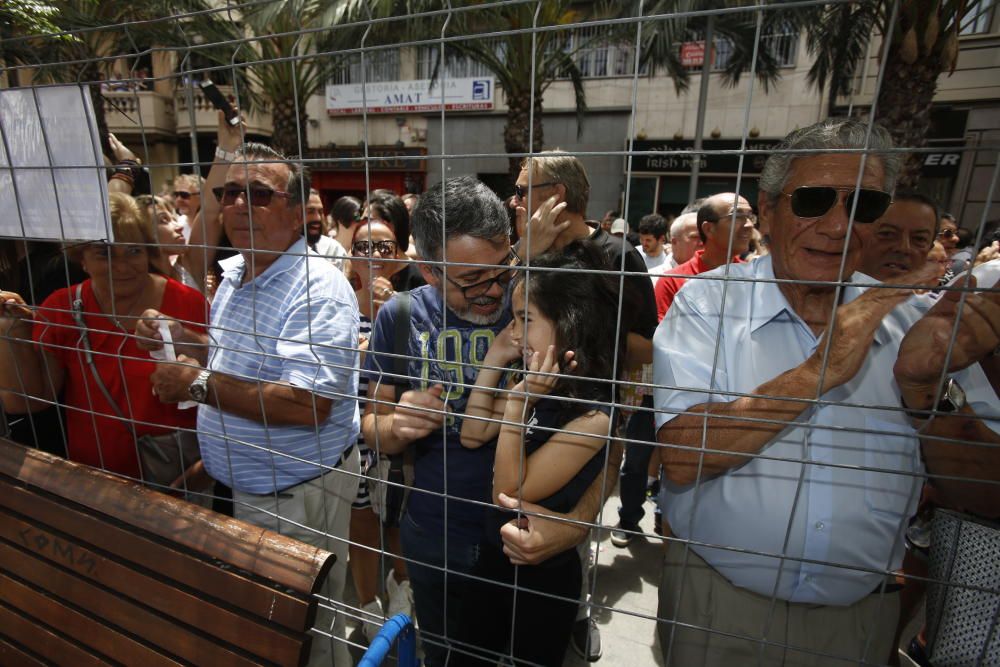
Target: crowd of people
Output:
[{"x": 801, "y": 377}]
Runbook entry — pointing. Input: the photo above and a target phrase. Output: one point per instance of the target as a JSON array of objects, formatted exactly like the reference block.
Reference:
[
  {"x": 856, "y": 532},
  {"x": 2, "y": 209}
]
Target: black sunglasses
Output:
[
  {"x": 256, "y": 195},
  {"x": 815, "y": 201},
  {"x": 521, "y": 191},
  {"x": 180, "y": 194},
  {"x": 947, "y": 233},
  {"x": 365, "y": 248}
]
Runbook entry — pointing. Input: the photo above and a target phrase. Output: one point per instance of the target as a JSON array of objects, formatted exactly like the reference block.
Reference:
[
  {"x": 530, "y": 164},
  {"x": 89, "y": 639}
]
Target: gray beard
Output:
[{"x": 475, "y": 318}]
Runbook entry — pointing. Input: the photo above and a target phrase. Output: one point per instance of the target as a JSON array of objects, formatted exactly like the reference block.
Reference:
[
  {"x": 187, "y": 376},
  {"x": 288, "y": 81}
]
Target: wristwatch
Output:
[
  {"x": 952, "y": 400},
  {"x": 198, "y": 390},
  {"x": 224, "y": 155}
]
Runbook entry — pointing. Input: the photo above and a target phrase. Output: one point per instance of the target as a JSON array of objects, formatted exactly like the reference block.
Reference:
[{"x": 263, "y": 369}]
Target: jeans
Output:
[
  {"x": 641, "y": 429},
  {"x": 437, "y": 596}
]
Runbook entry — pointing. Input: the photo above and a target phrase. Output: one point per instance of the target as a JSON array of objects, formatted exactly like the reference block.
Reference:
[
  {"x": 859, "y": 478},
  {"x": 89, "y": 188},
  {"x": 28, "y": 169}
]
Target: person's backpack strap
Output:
[{"x": 401, "y": 343}]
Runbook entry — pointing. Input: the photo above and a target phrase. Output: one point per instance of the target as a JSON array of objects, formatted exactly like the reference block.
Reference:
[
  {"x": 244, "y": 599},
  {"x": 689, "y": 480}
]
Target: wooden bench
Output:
[{"x": 97, "y": 570}]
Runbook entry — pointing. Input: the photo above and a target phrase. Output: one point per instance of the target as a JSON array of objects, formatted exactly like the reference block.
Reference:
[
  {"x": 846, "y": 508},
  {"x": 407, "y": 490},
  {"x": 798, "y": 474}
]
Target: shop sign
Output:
[
  {"x": 666, "y": 156},
  {"x": 378, "y": 159},
  {"x": 944, "y": 163},
  {"x": 466, "y": 94},
  {"x": 692, "y": 54}
]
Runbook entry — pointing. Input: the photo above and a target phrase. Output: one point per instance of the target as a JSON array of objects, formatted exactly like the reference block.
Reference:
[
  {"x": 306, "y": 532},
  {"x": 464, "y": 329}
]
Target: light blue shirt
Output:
[
  {"x": 833, "y": 516},
  {"x": 297, "y": 323}
]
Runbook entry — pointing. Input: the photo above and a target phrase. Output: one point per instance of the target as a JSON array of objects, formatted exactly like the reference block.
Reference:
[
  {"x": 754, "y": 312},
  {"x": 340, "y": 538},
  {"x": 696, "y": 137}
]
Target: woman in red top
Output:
[{"x": 42, "y": 351}]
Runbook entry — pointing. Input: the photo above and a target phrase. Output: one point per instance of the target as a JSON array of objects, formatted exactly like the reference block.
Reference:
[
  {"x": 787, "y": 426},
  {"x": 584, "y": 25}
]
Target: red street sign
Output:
[{"x": 692, "y": 54}]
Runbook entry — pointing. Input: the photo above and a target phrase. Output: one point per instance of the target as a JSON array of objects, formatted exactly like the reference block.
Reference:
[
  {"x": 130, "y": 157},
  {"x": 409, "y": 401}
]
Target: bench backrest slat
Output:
[
  {"x": 46, "y": 643},
  {"x": 80, "y": 626},
  {"x": 285, "y": 561},
  {"x": 267, "y": 602},
  {"x": 146, "y": 589},
  {"x": 96, "y": 569}
]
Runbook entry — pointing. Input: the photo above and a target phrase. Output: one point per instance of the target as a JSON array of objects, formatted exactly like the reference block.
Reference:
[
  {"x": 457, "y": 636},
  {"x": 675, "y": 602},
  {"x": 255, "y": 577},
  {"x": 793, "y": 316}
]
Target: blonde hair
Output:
[
  {"x": 130, "y": 223},
  {"x": 556, "y": 166},
  {"x": 193, "y": 181}
]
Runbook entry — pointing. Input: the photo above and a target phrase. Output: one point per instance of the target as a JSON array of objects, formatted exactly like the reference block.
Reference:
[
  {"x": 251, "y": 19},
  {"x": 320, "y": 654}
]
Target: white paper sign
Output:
[
  {"x": 52, "y": 178},
  {"x": 470, "y": 94}
]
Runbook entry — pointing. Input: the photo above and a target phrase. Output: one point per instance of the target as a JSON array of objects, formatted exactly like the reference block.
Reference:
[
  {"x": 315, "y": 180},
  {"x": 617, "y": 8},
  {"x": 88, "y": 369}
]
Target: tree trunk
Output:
[
  {"x": 286, "y": 128},
  {"x": 904, "y": 106},
  {"x": 515, "y": 133}
]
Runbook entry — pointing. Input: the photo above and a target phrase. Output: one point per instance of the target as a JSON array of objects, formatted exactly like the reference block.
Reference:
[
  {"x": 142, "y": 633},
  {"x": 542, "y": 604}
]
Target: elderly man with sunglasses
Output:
[
  {"x": 787, "y": 402},
  {"x": 276, "y": 378}
]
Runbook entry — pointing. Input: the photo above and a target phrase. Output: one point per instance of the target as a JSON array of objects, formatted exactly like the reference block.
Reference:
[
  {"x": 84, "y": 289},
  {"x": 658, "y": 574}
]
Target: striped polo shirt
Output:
[{"x": 295, "y": 323}]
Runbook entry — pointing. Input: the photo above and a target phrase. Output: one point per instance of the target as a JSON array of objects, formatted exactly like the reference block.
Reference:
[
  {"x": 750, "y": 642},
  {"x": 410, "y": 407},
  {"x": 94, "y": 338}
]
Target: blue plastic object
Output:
[{"x": 399, "y": 626}]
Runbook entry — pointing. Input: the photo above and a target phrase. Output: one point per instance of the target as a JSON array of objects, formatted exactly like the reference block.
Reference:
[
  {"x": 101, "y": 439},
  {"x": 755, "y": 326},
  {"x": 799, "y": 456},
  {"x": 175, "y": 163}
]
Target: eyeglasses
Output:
[
  {"x": 521, "y": 192},
  {"x": 815, "y": 201},
  {"x": 256, "y": 195},
  {"x": 476, "y": 290},
  {"x": 947, "y": 234},
  {"x": 180, "y": 194},
  {"x": 366, "y": 248}
]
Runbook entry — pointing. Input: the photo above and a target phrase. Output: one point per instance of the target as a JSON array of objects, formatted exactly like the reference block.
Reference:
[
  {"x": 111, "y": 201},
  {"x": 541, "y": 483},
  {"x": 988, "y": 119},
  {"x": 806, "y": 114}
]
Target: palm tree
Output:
[
  {"x": 91, "y": 33},
  {"x": 923, "y": 43},
  {"x": 525, "y": 63},
  {"x": 687, "y": 20},
  {"x": 291, "y": 57}
]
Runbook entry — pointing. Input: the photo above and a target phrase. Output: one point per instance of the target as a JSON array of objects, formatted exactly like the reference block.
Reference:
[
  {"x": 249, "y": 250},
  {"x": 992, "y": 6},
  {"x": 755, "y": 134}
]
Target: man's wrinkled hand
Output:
[
  {"x": 418, "y": 414},
  {"x": 923, "y": 353},
  {"x": 853, "y": 329},
  {"x": 171, "y": 379}
]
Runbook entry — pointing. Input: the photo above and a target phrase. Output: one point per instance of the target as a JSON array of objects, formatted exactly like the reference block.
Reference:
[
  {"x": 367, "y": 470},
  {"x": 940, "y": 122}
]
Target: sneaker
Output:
[
  {"x": 622, "y": 535},
  {"x": 372, "y": 619},
  {"x": 400, "y": 596},
  {"x": 586, "y": 639}
]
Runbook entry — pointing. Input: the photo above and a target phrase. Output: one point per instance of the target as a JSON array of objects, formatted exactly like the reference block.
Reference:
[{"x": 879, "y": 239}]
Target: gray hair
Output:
[
  {"x": 557, "y": 166},
  {"x": 299, "y": 184},
  {"x": 677, "y": 226},
  {"x": 832, "y": 133},
  {"x": 460, "y": 206}
]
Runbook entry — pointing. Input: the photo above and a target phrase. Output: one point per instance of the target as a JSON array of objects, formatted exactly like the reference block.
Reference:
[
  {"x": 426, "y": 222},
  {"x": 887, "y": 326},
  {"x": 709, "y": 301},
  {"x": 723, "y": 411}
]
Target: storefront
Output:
[
  {"x": 347, "y": 171},
  {"x": 661, "y": 181}
]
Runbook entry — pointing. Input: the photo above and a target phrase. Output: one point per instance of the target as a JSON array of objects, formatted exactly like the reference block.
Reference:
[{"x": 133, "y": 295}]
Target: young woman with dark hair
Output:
[{"x": 551, "y": 430}]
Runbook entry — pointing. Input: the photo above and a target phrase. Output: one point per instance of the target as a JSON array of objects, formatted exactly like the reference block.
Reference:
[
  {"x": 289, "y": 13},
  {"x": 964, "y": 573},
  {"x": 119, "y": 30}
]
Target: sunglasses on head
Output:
[
  {"x": 180, "y": 194},
  {"x": 255, "y": 195},
  {"x": 521, "y": 191},
  {"x": 815, "y": 201},
  {"x": 366, "y": 248}
]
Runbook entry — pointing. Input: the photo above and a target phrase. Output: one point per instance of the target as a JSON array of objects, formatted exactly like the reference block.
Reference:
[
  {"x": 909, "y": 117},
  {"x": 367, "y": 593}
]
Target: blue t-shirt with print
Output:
[{"x": 446, "y": 350}]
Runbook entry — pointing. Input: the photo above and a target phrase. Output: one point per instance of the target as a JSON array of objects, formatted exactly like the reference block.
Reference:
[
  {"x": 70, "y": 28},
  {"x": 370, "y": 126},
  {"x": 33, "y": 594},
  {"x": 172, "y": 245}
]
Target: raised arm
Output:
[
  {"x": 485, "y": 406},
  {"x": 25, "y": 369},
  {"x": 959, "y": 444},
  {"x": 720, "y": 426},
  {"x": 206, "y": 229}
]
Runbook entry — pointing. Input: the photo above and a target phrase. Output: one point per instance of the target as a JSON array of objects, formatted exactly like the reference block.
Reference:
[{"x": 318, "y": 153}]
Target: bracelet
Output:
[
  {"x": 123, "y": 176},
  {"x": 225, "y": 156},
  {"x": 128, "y": 168}
]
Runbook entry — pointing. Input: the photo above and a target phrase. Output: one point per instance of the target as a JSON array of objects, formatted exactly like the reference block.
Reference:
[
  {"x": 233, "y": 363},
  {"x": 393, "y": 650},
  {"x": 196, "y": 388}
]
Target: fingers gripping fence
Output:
[{"x": 743, "y": 255}]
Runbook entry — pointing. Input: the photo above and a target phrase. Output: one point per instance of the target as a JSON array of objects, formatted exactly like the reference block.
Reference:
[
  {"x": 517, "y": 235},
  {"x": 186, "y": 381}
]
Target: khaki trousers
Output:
[
  {"x": 718, "y": 624},
  {"x": 323, "y": 504}
]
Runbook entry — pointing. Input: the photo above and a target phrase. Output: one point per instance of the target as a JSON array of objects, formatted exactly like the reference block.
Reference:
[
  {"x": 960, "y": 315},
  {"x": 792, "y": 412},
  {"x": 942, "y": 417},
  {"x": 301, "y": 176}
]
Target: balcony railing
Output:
[
  {"x": 136, "y": 112},
  {"x": 206, "y": 117}
]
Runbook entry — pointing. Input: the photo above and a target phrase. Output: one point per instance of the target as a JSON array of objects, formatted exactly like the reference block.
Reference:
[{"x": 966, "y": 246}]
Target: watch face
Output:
[{"x": 955, "y": 395}]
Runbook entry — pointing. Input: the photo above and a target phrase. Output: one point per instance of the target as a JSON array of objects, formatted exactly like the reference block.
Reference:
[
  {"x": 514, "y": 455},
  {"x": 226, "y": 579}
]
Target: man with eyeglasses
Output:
[
  {"x": 725, "y": 224},
  {"x": 276, "y": 377},
  {"x": 187, "y": 200},
  {"x": 788, "y": 398},
  {"x": 462, "y": 233}
]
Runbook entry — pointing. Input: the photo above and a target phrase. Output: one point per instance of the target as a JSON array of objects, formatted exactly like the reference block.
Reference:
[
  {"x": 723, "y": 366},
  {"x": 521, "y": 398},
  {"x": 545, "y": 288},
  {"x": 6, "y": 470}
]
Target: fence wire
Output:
[{"x": 793, "y": 486}]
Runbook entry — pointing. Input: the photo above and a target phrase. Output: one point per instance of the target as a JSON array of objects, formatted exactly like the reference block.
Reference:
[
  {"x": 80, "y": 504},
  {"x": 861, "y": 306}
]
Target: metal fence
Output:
[{"x": 780, "y": 501}]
